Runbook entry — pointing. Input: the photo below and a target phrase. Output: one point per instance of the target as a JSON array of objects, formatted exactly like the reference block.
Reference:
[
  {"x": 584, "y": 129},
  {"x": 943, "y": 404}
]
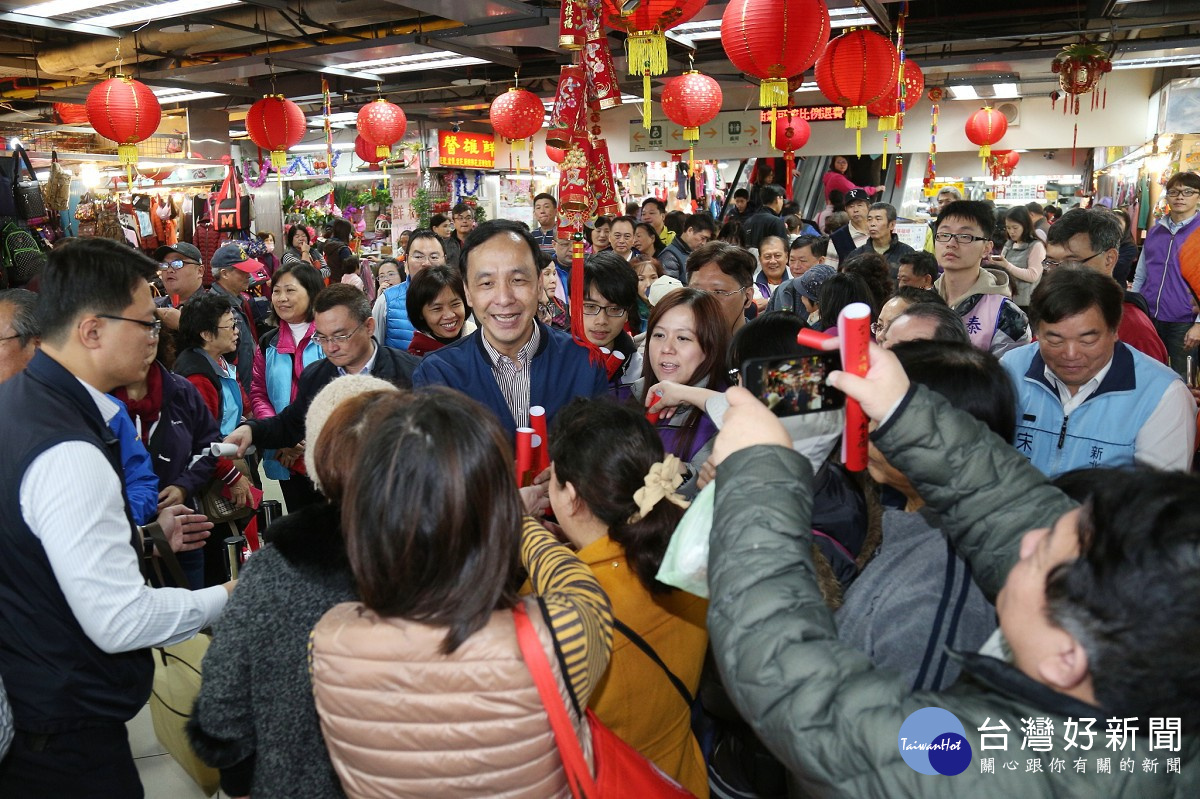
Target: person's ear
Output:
[
  {"x": 369, "y": 325},
  {"x": 1066, "y": 667},
  {"x": 89, "y": 332},
  {"x": 574, "y": 503},
  {"x": 1110, "y": 260}
]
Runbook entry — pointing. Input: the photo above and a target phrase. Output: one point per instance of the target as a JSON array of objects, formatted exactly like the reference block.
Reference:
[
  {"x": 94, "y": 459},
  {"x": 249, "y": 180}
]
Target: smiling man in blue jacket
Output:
[{"x": 512, "y": 362}]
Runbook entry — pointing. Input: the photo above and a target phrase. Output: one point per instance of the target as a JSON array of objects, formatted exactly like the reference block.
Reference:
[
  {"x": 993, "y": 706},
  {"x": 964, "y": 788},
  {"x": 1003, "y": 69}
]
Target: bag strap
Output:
[
  {"x": 641, "y": 644},
  {"x": 579, "y": 776},
  {"x": 19, "y": 156},
  {"x": 166, "y": 555}
]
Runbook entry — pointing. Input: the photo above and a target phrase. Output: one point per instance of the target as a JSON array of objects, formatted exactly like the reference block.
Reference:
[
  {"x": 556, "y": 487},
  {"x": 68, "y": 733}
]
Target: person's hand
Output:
[
  {"x": 665, "y": 397},
  {"x": 536, "y": 497},
  {"x": 171, "y": 495},
  {"x": 229, "y": 586},
  {"x": 880, "y": 187},
  {"x": 883, "y": 387},
  {"x": 169, "y": 317},
  {"x": 242, "y": 436},
  {"x": 1192, "y": 337},
  {"x": 239, "y": 492},
  {"x": 183, "y": 529},
  {"x": 761, "y": 303},
  {"x": 706, "y": 474},
  {"x": 289, "y": 455},
  {"x": 748, "y": 423}
]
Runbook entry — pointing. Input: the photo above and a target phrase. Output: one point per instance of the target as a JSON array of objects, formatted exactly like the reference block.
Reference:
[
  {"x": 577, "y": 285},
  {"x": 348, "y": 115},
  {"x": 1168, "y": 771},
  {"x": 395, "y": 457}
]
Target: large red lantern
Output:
[
  {"x": 382, "y": 124},
  {"x": 365, "y": 150},
  {"x": 986, "y": 127},
  {"x": 692, "y": 100},
  {"x": 517, "y": 114},
  {"x": 774, "y": 40},
  {"x": 790, "y": 137},
  {"x": 858, "y": 68},
  {"x": 645, "y": 23},
  {"x": 275, "y": 123},
  {"x": 888, "y": 109},
  {"x": 126, "y": 111}
]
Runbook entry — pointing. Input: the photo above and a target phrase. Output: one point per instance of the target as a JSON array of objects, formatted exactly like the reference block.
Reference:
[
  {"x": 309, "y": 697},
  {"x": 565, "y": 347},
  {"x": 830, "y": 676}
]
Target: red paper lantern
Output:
[
  {"x": 645, "y": 24},
  {"x": 276, "y": 124},
  {"x": 1003, "y": 163},
  {"x": 71, "y": 113},
  {"x": 692, "y": 100},
  {"x": 126, "y": 111},
  {"x": 986, "y": 127},
  {"x": 555, "y": 154},
  {"x": 857, "y": 68},
  {"x": 365, "y": 150},
  {"x": 888, "y": 109},
  {"x": 383, "y": 124},
  {"x": 792, "y": 135},
  {"x": 157, "y": 173},
  {"x": 774, "y": 40},
  {"x": 517, "y": 114}
]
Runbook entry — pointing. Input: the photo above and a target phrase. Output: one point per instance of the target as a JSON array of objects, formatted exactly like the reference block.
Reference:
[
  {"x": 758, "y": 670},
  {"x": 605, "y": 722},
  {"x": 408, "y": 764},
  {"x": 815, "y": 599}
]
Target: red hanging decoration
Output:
[
  {"x": 156, "y": 173},
  {"x": 646, "y": 22},
  {"x": 365, "y": 150},
  {"x": 574, "y": 196},
  {"x": 567, "y": 116},
  {"x": 858, "y": 68},
  {"x": 935, "y": 99},
  {"x": 516, "y": 114},
  {"x": 383, "y": 124},
  {"x": 1003, "y": 163},
  {"x": 789, "y": 138},
  {"x": 888, "y": 107},
  {"x": 602, "y": 83},
  {"x": 692, "y": 100},
  {"x": 600, "y": 173},
  {"x": 555, "y": 154},
  {"x": 1080, "y": 67},
  {"x": 277, "y": 124},
  {"x": 571, "y": 33},
  {"x": 126, "y": 111},
  {"x": 986, "y": 127},
  {"x": 774, "y": 40},
  {"x": 71, "y": 113}
]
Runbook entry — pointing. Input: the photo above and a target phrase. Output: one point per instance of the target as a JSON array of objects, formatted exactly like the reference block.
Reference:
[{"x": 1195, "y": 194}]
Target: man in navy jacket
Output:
[{"x": 512, "y": 362}]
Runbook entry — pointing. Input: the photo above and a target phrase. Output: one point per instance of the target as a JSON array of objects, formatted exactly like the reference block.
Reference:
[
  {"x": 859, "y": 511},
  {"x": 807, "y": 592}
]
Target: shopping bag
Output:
[{"x": 176, "y": 686}]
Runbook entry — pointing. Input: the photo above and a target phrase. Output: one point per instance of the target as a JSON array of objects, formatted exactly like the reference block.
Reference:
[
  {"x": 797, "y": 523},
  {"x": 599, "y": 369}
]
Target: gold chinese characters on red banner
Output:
[
  {"x": 809, "y": 113},
  {"x": 470, "y": 150}
]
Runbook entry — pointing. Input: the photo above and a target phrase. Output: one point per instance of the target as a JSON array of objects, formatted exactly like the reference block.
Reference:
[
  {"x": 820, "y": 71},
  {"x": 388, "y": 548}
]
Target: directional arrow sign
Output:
[
  {"x": 751, "y": 131},
  {"x": 675, "y": 134},
  {"x": 710, "y": 133},
  {"x": 637, "y": 137}
]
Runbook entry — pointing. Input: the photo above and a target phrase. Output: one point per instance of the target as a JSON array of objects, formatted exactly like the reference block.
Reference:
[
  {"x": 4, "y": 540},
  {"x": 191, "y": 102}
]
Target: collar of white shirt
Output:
[
  {"x": 104, "y": 403},
  {"x": 1071, "y": 402},
  {"x": 370, "y": 367}
]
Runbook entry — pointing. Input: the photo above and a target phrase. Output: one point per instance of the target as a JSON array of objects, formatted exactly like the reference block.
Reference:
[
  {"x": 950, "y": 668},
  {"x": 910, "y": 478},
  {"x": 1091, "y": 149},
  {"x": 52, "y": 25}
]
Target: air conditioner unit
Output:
[{"x": 1011, "y": 110}]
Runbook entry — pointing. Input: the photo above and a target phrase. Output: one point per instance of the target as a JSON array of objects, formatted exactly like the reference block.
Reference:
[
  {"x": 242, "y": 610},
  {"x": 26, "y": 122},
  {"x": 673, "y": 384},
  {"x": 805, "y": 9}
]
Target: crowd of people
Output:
[{"x": 1022, "y": 549}]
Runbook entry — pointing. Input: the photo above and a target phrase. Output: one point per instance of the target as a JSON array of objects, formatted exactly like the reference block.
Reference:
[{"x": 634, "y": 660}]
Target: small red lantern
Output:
[
  {"x": 691, "y": 100},
  {"x": 126, "y": 111},
  {"x": 365, "y": 150},
  {"x": 858, "y": 68},
  {"x": 517, "y": 114},
  {"x": 1003, "y": 163},
  {"x": 555, "y": 154},
  {"x": 888, "y": 109},
  {"x": 156, "y": 173},
  {"x": 986, "y": 127},
  {"x": 789, "y": 138},
  {"x": 275, "y": 123},
  {"x": 774, "y": 40},
  {"x": 383, "y": 124}
]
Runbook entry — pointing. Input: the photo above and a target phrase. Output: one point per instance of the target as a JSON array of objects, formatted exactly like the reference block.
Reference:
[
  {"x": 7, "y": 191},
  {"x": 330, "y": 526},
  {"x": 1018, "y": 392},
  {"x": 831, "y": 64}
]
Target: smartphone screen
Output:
[{"x": 794, "y": 384}]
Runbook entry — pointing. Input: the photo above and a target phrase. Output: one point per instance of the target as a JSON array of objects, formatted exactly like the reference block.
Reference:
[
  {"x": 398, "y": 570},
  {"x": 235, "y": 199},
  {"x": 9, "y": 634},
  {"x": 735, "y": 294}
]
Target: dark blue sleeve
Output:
[{"x": 141, "y": 483}]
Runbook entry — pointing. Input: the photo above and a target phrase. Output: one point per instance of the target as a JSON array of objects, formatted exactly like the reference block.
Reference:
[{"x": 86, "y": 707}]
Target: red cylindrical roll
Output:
[{"x": 569, "y": 104}]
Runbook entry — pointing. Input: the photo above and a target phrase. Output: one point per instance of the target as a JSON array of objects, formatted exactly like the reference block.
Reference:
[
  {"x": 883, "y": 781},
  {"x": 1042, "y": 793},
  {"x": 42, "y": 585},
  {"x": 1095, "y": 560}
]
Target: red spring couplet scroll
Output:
[
  {"x": 525, "y": 456},
  {"x": 854, "y": 333},
  {"x": 651, "y": 414},
  {"x": 541, "y": 443}
]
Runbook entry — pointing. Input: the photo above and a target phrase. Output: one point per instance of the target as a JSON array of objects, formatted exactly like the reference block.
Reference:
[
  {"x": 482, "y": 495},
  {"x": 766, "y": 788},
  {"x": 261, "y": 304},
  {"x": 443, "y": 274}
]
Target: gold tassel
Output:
[
  {"x": 774, "y": 124},
  {"x": 858, "y": 142},
  {"x": 646, "y": 112},
  {"x": 382, "y": 152},
  {"x": 773, "y": 93},
  {"x": 691, "y": 134},
  {"x": 887, "y": 123},
  {"x": 648, "y": 49},
  {"x": 279, "y": 159}
]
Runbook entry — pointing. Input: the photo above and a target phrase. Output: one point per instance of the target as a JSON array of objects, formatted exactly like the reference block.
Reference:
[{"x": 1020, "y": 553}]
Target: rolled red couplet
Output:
[
  {"x": 541, "y": 450},
  {"x": 854, "y": 335}
]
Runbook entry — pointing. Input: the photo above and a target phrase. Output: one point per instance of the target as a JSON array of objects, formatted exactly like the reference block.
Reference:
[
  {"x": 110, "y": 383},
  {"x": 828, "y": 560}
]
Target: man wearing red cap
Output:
[{"x": 234, "y": 271}]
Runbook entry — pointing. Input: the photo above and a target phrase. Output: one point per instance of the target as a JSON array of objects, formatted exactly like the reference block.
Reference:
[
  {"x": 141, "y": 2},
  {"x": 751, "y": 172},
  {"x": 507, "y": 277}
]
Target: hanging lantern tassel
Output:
[
  {"x": 649, "y": 48},
  {"x": 646, "y": 97},
  {"x": 856, "y": 117},
  {"x": 789, "y": 160},
  {"x": 1074, "y": 142},
  {"x": 985, "y": 152}
]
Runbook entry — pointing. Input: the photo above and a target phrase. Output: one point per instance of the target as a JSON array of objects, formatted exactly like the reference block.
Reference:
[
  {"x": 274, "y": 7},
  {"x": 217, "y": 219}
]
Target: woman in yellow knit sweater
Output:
[{"x": 613, "y": 492}]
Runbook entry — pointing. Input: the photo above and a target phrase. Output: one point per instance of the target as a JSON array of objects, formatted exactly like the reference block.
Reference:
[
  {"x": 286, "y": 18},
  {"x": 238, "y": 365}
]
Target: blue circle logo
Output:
[{"x": 933, "y": 741}]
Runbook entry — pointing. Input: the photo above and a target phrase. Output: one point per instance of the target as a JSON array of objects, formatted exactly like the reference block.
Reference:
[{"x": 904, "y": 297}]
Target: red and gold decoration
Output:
[
  {"x": 567, "y": 116},
  {"x": 383, "y": 124},
  {"x": 691, "y": 100},
  {"x": 572, "y": 30},
  {"x": 774, "y": 40},
  {"x": 604, "y": 189},
  {"x": 126, "y": 111},
  {"x": 515, "y": 115},
  {"x": 276, "y": 124},
  {"x": 935, "y": 99},
  {"x": 891, "y": 108},
  {"x": 1003, "y": 163},
  {"x": 645, "y": 22},
  {"x": 555, "y": 154},
  {"x": 1080, "y": 67},
  {"x": 156, "y": 173},
  {"x": 574, "y": 196},
  {"x": 365, "y": 150},
  {"x": 986, "y": 127},
  {"x": 790, "y": 137},
  {"x": 603, "y": 90},
  {"x": 71, "y": 113},
  {"x": 858, "y": 68}
]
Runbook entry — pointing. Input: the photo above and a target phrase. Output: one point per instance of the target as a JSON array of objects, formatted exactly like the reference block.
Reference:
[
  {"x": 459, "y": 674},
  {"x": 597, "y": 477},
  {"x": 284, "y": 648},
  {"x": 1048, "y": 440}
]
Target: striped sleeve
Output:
[{"x": 577, "y": 609}]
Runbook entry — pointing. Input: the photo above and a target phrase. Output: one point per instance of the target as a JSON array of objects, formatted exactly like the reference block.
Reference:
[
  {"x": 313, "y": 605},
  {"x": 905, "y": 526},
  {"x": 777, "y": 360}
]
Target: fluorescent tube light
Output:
[
  {"x": 1163, "y": 61},
  {"x": 415, "y": 62},
  {"x": 963, "y": 92},
  {"x": 1005, "y": 91},
  {"x": 58, "y": 8},
  {"x": 175, "y": 8}
]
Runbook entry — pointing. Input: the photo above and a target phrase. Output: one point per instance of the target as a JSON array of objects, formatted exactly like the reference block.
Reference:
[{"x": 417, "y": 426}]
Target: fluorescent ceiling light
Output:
[
  {"x": 1163, "y": 61},
  {"x": 415, "y": 62},
  {"x": 339, "y": 120},
  {"x": 58, "y": 8},
  {"x": 182, "y": 95},
  {"x": 174, "y": 8},
  {"x": 849, "y": 17},
  {"x": 320, "y": 148},
  {"x": 697, "y": 31},
  {"x": 1005, "y": 90},
  {"x": 963, "y": 92}
]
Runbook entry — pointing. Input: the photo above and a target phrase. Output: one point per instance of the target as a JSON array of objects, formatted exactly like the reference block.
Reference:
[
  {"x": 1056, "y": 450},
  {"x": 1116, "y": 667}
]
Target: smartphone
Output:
[{"x": 791, "y": 385}]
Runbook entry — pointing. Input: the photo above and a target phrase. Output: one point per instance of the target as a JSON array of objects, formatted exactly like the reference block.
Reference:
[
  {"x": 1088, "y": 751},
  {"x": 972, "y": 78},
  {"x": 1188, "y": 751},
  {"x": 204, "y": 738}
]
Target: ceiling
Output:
[{"x": 446, "y": 59}]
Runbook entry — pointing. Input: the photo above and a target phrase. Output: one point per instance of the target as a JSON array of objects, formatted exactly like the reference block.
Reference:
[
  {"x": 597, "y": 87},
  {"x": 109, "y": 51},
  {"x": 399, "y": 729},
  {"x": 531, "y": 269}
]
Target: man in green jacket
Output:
[{"x": 1099, "y": 605}]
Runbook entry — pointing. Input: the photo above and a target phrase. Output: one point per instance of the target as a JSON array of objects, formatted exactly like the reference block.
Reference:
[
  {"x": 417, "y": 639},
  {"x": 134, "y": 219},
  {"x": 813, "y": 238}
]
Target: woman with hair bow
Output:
[{"x": 614, "y": 492}]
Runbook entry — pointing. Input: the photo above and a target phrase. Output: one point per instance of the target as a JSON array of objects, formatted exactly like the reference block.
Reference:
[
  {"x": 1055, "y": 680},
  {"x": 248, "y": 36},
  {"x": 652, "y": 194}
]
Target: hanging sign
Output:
[
  {"x": 471, "y": 150},
  {"x": 809, "y": 113}
]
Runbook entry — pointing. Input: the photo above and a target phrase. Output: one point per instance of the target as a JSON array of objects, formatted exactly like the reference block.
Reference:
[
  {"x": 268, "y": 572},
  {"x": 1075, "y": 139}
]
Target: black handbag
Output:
[{"x": 31, "y": 205}]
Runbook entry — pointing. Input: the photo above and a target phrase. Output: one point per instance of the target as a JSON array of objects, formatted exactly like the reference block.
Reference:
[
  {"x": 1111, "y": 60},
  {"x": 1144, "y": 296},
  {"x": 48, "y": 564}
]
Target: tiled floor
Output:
[{"x": 161, "y": 776}]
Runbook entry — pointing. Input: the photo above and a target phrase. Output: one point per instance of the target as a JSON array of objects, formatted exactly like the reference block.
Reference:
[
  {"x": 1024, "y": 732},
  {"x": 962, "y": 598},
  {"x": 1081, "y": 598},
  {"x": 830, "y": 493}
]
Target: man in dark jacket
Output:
[
  {"x": 1089, "y": 603},
  {"x": 852, "y": 235},
  {"x": 345, "y": 331},
  {"x": 234, "y": 271},
  {"x": 881, "y": 226},
  {"x": 698, "y": 230},
  {"x": 766, "y": 220}
]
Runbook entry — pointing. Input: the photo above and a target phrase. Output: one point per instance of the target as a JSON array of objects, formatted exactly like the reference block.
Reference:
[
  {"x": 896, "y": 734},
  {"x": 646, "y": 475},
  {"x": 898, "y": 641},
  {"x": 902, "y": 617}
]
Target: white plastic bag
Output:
[{"x": 685, "y": 564}]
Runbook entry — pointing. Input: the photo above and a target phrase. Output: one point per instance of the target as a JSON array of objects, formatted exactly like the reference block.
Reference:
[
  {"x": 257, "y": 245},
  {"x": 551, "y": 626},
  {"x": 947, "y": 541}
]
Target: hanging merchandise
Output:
[
  {"x": 571, "y": 30},
  {"x": 515, "y": 115},
  {"x": 276, "y": 124},
  {"x": 790, "y": 138},
  {"x": 891, "y": 108},
  {"x": 126, "y": 111},
  {"x": 555, "y": 154},
  {"x": 935, "y": 99},
  {"x": 600, "y": 173},
  {"x": 1003, "y": 162},
  {"x": 646, "y": 22},
  {"x": 156, "y": 173},
  {"x": 569, "y": 100},
  {"x": 692, "y": 100},
  {"x": 858, "y": 68},
  {"x": 602, "y": 86},
  {"x": 774, "y": 40},
  {"x": 986, "y": 127},
  {"x": 1080, "y": 67}
]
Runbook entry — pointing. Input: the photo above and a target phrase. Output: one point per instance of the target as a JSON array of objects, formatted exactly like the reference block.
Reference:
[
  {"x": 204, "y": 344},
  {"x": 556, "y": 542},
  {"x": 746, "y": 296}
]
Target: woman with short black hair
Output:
[{"x": 437, "y": 307}]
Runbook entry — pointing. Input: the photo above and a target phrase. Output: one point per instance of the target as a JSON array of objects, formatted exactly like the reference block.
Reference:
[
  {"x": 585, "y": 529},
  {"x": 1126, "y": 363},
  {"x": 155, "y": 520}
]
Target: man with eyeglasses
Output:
[
  {"x": 609, "y": 303},
  {"x": 727, "y": 272},
  {"x": 344, "y": 328},
  {"x": 463, "y": 218},
  {"x": 982, "y": 297},
  {"x": 181, "y": 269},
  {"x": 78, "y": 618},
  {"x": 392, "y": 326},
  {"x": 19, "y": 331},
  {"x": 234, "y": 271},
  {"x": 1092, "y": 238},
  {"x": 1171, "y": 251}
]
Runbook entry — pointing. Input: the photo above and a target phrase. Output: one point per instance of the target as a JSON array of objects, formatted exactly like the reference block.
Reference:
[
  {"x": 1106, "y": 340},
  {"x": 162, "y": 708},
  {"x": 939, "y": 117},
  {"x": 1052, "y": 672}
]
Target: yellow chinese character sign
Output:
[{"x": 470, "y": 150}]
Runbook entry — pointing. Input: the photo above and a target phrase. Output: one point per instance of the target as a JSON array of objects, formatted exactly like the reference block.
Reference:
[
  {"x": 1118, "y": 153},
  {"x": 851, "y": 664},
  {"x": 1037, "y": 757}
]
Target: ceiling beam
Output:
[
  {"x": 220, "y": 23},
  {"x": 305, "y": 66},
  {"x": 59, "y": 25}
]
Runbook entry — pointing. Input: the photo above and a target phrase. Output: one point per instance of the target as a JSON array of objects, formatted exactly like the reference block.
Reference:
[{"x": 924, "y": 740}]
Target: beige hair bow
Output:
[{"x": 660, "y": 483}]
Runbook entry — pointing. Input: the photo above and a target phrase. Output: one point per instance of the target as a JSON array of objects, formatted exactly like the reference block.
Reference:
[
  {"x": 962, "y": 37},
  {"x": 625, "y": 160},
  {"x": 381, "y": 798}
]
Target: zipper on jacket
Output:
[
  {"x": 1062, "y": 434},
  {"x": 1163, "y": 282}
]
